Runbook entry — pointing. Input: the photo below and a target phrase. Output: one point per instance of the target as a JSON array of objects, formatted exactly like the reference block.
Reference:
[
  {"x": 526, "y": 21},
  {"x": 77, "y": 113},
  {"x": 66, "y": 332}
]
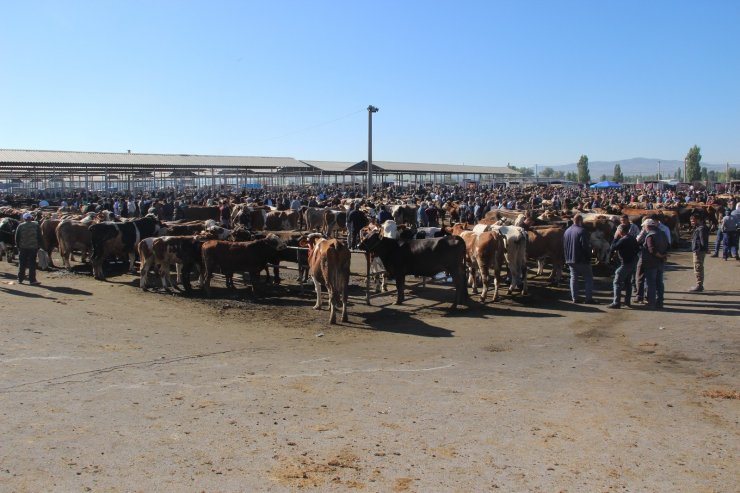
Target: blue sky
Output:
[{"x": 474, "y": 82}]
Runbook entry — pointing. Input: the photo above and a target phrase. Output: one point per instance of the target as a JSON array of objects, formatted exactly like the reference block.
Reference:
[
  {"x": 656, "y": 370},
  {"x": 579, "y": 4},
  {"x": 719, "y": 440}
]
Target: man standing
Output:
[
  {"x": 577, "y": 246},
  {"x": 28, "y": 241},
  {"x": 729, "y": 235},
  {"x": 356, "y": 220},
  {"x": 654, "y": 255},
  {"x": 626, "y": 246},
  {"x": 699, "y": 248}
]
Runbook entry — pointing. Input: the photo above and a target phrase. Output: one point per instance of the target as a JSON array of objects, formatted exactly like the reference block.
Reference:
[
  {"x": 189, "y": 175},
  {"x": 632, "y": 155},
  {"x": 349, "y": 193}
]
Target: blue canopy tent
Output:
[{"x": 606, "y": 184}]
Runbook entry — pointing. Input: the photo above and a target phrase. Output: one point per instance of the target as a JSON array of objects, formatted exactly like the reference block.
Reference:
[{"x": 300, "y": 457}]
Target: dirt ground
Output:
[{"x": 104, "y": 387}]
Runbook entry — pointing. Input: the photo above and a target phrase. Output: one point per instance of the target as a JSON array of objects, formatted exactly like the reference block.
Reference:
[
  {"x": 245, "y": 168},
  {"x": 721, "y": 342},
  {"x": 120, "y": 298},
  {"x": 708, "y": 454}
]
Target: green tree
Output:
[
  {"x": 693, "y": 164},
  {"x": 677, "y": 174},
  {"x": 618, "y": 176},
  {"x": 559, "y": 174},
  {"x": 704, "y": 174},
  {"x": 547, "y": 172},
  {"x": 571, "y": 176},
  {"x": 602, "y": 178},
  {"x": 713, "y": 176},
  {"x": 583, "y": 175},
  {"x": 524, "y": 171}
]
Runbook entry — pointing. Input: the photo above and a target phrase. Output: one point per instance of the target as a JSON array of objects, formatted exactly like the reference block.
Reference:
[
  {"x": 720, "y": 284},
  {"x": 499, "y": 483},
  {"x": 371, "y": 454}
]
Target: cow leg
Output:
[
  {"x": 178, "y": 272},
  {"x": 496, "y": 280},
  {"x": 131, "y": 262},
  {"x": 317, "y": 285},
  {"x": 484, "y": 280},
  {"x": 144, "y": 272},
  {"x": 65, "y": 257},
  {"x": 400, "y": 282},
  {"x": 472, "y": 276},
  {"x": 332, "y": 304},
  {"x": 540, "y": 267},
  {"x": 525, "y": 292},
  {"x": 343, "y": 295}
]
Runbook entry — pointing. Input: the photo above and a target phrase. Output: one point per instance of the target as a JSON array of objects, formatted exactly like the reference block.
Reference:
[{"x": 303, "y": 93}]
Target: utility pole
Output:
[
  {"x": 370, "y": 110},
  {"x": 658, "y": 170},
  {"x": 685, "y": 161}
]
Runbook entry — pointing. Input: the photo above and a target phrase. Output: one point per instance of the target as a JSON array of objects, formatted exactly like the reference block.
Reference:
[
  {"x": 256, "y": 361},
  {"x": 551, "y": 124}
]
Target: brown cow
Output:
[
  {"x": 328, "y": 264},
  {"x": 230, "y": 257},
  {"x": 547, "y": 243},
  {"x": 73, "y": 235},
  {"x": 282, "y": 220},
  {"x": 49, "y": 237}
]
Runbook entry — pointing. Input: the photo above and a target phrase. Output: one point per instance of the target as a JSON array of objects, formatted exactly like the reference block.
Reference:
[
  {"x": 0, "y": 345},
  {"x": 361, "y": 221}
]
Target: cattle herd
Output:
[{"x": 260, "y": 236}]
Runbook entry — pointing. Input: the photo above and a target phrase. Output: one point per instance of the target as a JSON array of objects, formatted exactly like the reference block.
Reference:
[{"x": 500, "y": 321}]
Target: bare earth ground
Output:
[{"x": 106, "y": 388}]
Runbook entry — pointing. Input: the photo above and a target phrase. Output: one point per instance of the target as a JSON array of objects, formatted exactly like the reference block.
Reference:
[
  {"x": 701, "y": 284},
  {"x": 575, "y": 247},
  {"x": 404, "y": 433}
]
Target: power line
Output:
[{"x": 313, "y": 127}]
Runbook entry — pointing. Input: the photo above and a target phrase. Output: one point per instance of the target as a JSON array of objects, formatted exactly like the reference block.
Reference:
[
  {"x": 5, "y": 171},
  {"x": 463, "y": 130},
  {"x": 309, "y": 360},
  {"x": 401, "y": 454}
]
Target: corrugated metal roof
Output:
[
  {"x": 396, "y": 167},
  {"x": 136, "y": 159},
  {"x": 330, "y": 166}
]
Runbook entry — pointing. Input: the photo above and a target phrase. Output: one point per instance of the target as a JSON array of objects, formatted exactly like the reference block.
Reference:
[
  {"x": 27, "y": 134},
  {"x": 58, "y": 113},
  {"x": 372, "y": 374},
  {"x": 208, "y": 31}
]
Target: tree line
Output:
[{"x": 694, "y": 172}]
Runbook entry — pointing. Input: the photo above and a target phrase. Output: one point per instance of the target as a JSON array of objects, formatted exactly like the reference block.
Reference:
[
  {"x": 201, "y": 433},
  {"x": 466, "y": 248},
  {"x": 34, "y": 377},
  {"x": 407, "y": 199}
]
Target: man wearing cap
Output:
[
  {"x": 654, "y": 255},
  {"x": 28, "y": 241},
  {"x": 699, "y": 248},
  {"x": 577, "y": 249}
]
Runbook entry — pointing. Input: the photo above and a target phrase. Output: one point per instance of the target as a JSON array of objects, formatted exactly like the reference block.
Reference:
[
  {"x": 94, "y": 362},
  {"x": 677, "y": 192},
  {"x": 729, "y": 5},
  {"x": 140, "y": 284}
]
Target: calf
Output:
[
  {"x": 230, "y": 257},
  {"x": 164, "y": 251},
  {"x": 328, "y": 264},
  {"x": 422, "y": 258}
]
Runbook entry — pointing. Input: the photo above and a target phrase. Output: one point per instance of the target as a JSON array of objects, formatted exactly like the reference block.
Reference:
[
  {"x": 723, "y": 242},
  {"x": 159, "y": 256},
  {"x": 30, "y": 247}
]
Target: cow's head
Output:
[
  {"x": 276, "y": 241},
  {"x": 370, "y": 242}
]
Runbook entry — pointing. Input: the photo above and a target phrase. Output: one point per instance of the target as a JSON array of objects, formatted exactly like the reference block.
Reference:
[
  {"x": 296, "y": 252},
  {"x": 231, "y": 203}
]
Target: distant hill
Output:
[{"x": 633, "y": 167}]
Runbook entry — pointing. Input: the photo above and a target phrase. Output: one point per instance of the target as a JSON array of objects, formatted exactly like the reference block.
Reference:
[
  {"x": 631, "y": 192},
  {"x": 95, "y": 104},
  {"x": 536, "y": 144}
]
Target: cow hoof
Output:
[
  {"x": 525, "y": 293},
  {"x": 317, "y": 307}
]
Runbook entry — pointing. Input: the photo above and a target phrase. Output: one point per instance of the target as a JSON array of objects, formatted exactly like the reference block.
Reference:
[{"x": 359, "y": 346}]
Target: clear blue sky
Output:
[{"x": 474, "y": 82}]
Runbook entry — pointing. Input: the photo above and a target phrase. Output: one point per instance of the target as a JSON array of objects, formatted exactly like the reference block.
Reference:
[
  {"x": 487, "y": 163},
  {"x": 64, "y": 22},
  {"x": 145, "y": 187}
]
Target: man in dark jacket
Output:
[
  {"x": 28, "y": 242},
  {"x": 577, "y": 249},
  {"x": 699, "y": 249},
  {"x": 356, "y": 220},
  {"x": 625, "y": 245}
]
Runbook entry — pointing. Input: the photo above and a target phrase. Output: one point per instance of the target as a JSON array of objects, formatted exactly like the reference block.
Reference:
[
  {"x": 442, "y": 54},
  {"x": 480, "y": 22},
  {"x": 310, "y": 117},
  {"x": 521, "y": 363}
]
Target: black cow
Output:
[
  {"x": 421, "y": 258},
  {"x": 119, "y": 239},
  {"x": 8, "y": 225}
]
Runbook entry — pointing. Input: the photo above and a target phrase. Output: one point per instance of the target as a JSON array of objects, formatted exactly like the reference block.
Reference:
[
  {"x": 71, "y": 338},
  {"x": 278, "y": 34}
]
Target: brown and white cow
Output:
[
  {"x": 162, "y": 252},
  {"x": 484, "y": 251},
  {"x": 515, "y": 241},
  {"x": 328, "y": 264}
]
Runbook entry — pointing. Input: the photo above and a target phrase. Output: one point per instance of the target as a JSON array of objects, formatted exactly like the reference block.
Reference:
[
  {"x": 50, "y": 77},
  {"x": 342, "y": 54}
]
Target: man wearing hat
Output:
[
  {"x": 28, "y": 241},
  {"x": 654, "y": 255}
]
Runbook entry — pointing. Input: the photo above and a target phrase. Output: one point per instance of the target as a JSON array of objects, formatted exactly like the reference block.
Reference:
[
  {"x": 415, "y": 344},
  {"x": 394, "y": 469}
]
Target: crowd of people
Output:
[{"x": 640, "y": 252}]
